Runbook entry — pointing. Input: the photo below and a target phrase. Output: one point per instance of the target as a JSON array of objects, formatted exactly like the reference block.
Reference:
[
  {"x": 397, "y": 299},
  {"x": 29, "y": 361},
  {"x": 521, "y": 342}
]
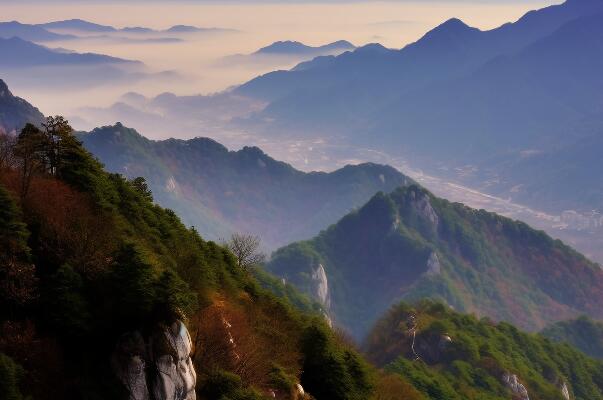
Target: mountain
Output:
[
  {"x": 28, "y": 54},
  {"x": 459, "y": 97},
  {"x": 288, "y": 51},
  {"x": 16, "y": 112},
  {"x": 104, "y": 294},
  {"x": 77, "y": 25},
  {"x": 220, "y": 191},
  {"x": 289, "y": 47},
  {"x": 454, "y": 356},
  {"x": 32, "y": 33},
  {"x": 409, "y": 244},
  {"x": 583, "y": 333}
]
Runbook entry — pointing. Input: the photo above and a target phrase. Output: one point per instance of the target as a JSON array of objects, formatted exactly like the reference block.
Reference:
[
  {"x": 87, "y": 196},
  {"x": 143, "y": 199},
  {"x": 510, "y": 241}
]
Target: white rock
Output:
[
  {"x": 321, "y": 286},
  {"x": 518, "y": 389},
  {"x": 433, "y": 265}
]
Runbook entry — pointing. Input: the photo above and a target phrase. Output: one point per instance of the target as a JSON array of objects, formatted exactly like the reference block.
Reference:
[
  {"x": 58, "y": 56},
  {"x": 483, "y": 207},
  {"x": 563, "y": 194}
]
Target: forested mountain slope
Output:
[
  {"x": 453, "y": 356},
  {"x": 220, "y": 191},
  {"x": 410, "y": 244}
]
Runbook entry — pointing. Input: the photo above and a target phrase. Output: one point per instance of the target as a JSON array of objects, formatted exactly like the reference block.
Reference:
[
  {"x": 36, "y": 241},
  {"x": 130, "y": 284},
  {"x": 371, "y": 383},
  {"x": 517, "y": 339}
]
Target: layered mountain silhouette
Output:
[
  {"x": 459, "y": 96},
  {"x": 16, "y": 112},
  {"x": 288, "y": 50},
  {"x": 289, "y": 47},
  {"x": 220, "y": 191},
  {"x": 83, "y": 26},
  {"x": 411, "y": 245},
  {"x": 29, "y": 32},
  {"x": 27, "y": 54}
]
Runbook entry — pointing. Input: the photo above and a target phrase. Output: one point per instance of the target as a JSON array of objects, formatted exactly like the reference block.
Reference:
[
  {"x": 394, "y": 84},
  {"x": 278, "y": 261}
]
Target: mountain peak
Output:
[
  {"x": 452, "y": 26},
  {"x": 4, "y": 91}
]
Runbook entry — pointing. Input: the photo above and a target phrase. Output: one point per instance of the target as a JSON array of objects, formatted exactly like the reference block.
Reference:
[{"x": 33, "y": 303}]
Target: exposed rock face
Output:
[
  {"x": 321, "y": 286},
  {"x": 565, "y": 391},
  {"x": 517, "y": 388},
  {"x": 422, "y": 204},
  {"x": 159, "y": 368},
  {"x": 433, "y": 265}
]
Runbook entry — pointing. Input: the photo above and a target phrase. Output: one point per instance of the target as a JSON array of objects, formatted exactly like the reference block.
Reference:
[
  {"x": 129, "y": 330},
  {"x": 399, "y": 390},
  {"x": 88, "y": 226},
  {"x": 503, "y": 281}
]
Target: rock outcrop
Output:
[
  {"x": 158, "y": 367},
  {"x": 433, "y": 265},
  {"x": 321, "y": 286},
  {"x": 565, "y": 391},
  {"x": 422, "y": 205},
  {"x": 517, "y": 388}
]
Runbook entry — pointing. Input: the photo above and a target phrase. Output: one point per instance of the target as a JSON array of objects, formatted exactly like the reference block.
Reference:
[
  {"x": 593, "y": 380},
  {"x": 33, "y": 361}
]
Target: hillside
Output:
[
  {"x": 16, "y": 112},
  {"x": 104, "y": 294},
  {"x": 410, "y": 244},
  {"x": 220, "y": 191},
  {"x": 582, "y": 333},
  {"x": 453, "y": 356},
  {"x": 460, "y": 97}
]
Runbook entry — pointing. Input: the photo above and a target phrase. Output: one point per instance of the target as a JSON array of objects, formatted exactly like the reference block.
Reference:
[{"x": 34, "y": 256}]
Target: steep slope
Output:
[
  {"x": 220, "y": 191},
  {"x": 104, "y": 294},
  {"x": 453, "y": 356},
  {"x": 16, "y": 112},
  {"x": 410, "y": 244},
  {"x": 582, "y": 333}
]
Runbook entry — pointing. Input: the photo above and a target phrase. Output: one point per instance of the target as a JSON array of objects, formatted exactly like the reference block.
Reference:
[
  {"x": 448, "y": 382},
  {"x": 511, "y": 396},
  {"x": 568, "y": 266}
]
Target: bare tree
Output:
[{"x": 246, "y": 249}]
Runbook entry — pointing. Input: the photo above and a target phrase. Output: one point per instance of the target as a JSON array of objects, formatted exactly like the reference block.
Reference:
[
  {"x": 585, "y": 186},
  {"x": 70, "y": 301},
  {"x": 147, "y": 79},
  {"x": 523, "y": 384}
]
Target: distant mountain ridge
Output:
[
  {"x": 460, "y": 97},
  {"x": 293, "y": 47},
  {"x": 81, "y": 25},
  {"x": 410, "y": 245},
  {"x": 28, "y": 32},
  {"x": 28, "y": 54},
  {"x": 220, "y": 191}
]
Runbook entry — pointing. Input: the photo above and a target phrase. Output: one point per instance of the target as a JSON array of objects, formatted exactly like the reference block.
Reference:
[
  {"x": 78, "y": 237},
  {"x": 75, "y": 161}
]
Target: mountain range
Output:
[
  {"x": 82, "y": 26},
  {"x": 220, "y": 191},
  {"x": 29, "y": 32},
  {"x": 288, "y": 50},
  {"x": 289, "y": 47},
  {"x": 409, "y": 244},
  {"x": 501, "y": 102},
  {"x": 28, "y": 54}
]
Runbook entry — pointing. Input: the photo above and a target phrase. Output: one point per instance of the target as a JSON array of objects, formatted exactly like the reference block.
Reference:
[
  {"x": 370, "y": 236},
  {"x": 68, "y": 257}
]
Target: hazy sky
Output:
[{"x": 391, "y": 23}]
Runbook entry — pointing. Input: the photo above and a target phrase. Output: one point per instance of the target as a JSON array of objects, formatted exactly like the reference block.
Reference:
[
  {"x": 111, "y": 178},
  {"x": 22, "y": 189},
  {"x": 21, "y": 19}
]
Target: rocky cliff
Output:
[{"x": 157, "y": 366}]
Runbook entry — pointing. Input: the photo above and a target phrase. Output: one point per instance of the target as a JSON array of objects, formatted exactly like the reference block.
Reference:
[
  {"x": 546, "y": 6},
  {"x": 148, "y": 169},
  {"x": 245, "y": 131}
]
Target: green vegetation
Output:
[
  {"x": 458, "y": 356},
  {"x": 85, "y": 256},
  {"x": 220, "y": 191},
  {"x": 583, "y": 333},
  {"x": 411, "y": 245}
]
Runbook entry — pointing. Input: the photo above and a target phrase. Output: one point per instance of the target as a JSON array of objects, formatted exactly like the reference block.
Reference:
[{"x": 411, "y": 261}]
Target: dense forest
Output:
[
  {"x": 410, "y": 245},
  {"x": 450, "y": 356},
  {"x": 583, "y": 333},
  {"x": 86, "y": 256}
]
